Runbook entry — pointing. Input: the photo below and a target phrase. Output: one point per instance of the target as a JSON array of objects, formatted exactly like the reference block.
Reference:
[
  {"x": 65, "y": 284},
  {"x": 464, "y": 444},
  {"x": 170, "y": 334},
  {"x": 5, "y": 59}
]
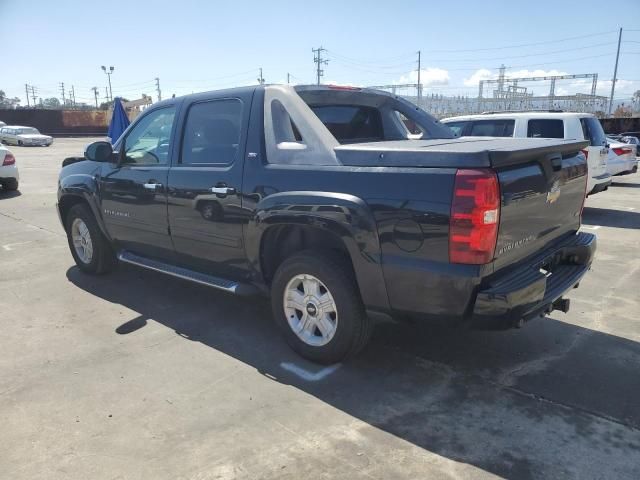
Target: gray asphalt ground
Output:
[{"x": 136, "y": 375}]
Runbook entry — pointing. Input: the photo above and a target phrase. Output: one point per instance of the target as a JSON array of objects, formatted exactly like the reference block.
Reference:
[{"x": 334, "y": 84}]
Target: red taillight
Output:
[
  {"x": 344, "y": 87},
  {"x": 475, "y": 215},
  {"x": 621, "y": 150},
  {"x": 9, "y": 159},
  {"x": 586, "y": 153}
]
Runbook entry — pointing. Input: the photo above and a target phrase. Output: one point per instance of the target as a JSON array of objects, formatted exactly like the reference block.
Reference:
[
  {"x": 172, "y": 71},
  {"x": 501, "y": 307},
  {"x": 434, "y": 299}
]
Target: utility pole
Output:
[
  {"x": 64, "y": 100},
  {"x": 319, "y": 61},
  {"x": 33, "y": 95},
  {"x": 158, "y": 89},
  {"x": 109, "y": 72},
  {"x": 287, "y": 78},
  {"x": 73, "y": 97},
  {"x": 419, "y": 84},
  {"x": 615, "y": 72},
  {"x": 95, "y": 94},
  {"x": 26, "y": 89},
  {"x": 261, "y": 78}
]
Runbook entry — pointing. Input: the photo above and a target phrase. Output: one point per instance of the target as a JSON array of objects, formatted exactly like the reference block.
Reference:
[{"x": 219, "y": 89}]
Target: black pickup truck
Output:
[{"x": 345, "y": 205}]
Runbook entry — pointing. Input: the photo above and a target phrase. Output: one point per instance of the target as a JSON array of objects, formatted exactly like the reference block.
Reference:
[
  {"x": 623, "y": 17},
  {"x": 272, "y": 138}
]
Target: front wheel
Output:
[
  {"x": 90, "y": 249},
  {"x": 317, "y": 305}
]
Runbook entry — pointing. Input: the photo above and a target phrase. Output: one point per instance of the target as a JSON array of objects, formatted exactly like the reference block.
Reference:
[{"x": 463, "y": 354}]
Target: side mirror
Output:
[{"x": 99, "y": 152}]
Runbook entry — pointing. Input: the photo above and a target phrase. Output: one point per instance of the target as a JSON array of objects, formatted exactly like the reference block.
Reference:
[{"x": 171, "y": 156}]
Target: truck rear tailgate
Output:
[{"x": 542, "y": 182}]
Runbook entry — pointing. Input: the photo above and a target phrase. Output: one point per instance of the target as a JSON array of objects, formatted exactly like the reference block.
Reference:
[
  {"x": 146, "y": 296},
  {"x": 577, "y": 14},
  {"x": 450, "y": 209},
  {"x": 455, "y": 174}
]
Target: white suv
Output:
[{"x": 580, "y": 126}]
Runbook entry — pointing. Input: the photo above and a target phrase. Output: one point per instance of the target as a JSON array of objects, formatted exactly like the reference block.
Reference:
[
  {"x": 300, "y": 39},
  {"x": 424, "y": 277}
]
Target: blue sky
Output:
[{"x": 203, "y": 45}]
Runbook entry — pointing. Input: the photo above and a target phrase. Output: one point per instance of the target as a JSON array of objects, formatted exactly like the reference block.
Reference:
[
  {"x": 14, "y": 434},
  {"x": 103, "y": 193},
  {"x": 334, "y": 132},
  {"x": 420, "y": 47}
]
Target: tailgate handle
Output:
[{"x": 556, "y": 162}]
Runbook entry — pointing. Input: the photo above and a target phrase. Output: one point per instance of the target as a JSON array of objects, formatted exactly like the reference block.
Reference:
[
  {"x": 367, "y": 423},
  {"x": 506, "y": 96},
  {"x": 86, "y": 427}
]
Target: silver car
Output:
[{"x": 23, "y": 136}]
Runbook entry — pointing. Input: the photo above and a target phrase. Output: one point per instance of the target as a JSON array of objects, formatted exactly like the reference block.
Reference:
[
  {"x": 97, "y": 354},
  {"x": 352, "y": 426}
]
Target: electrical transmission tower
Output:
[
  {"x": 64, "y": 101},
  {"x": 319, "y": 61}
]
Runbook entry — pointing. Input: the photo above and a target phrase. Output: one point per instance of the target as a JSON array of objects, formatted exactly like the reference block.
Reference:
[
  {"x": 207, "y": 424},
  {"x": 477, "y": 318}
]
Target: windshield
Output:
[{"x": 28, "y": 131}]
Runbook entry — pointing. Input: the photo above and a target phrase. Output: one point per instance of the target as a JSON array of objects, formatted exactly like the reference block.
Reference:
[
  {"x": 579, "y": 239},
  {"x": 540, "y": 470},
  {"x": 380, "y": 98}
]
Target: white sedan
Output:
[
  {"x": 621, "y": 158},
  {"x": 8, "y": 170},
  {"x": 23, "y": 136}
]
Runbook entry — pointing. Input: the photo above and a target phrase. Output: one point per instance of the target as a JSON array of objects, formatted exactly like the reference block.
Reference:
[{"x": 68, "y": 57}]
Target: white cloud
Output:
[
  {"x": 428, "y": 77},
  {"x": 622, "y": 86},
  {"x": 482, "y": 74}
]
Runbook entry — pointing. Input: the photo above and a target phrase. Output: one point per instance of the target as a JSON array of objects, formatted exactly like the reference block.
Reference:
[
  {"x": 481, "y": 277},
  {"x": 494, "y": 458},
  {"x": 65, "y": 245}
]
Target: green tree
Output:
[
  {"x": 52, "y": 102},
  {"x": 6, "y": 102}
]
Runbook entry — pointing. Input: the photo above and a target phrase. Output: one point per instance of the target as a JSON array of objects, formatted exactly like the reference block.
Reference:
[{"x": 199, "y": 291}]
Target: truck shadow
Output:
[
  {"x": 520, "y": 404},
  {"x": 608, "y": 217},
  {"x": 9, "y": 193}
]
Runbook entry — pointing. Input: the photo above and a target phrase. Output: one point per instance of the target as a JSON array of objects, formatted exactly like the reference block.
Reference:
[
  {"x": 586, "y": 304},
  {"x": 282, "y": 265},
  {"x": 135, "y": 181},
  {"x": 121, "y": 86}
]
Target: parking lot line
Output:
[{"x": 306, "y": 374}]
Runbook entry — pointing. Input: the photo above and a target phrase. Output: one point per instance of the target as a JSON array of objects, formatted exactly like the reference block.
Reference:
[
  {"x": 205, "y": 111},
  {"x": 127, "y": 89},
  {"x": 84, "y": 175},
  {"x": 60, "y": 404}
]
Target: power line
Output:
[
  {"x": 524, "y": 44},
  {"x": 585, "y": 47}
]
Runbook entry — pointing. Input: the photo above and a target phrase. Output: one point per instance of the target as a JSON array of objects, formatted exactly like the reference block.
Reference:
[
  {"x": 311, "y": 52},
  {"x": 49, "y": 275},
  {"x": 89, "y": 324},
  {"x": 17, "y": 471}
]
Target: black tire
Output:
[
  {"x": 103, "y": 259},
  {"x": 19, "y": 143},
  {"x": 10, "y": 184},
  {"x": 353, "y": 327}
]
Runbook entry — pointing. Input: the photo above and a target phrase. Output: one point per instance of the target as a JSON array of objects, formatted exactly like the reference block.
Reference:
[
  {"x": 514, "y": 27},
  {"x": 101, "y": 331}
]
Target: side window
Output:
[
  {"x": 414, "y": 131},
  {"x": 544, "y": 128},
  {"x": 592, "y": 131},
  {"x": 286, "y": 133},
  {"x": 212, "y": 133},
  {"x": 492, "y": 128},
  {"x": 456, "y": 127},
  {"x": 149, "y": 142}
]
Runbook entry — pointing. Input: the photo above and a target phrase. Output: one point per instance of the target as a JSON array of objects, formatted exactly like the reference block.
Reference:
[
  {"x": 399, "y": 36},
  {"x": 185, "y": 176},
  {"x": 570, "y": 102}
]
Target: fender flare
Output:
[
  {"x": 345, "y": 216},
  {"x": 84, "y": 187}
]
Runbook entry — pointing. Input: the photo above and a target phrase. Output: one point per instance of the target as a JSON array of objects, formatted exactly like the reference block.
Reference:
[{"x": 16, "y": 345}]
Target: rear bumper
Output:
[
  {"x": 9, "y": 172},
  {"x": 600, "y": 183},
  {"x": 532, "y": 288}
]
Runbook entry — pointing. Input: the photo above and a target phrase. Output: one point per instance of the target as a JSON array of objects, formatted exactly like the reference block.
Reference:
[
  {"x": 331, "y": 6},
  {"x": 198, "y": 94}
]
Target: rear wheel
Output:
[
  {"x": 317, "y": 305},
  {"x": 10, "y": 184},
  {"x": 90, "y": 249}
]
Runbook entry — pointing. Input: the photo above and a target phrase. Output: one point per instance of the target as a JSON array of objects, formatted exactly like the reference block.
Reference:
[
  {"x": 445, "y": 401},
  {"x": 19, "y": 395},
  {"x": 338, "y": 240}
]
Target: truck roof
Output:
[{"x": 342, "y": 90}]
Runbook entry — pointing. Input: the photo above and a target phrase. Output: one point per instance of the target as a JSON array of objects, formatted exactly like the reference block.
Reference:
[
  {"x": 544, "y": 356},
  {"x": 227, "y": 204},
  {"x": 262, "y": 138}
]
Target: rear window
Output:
[
  {"x": 351, "y": 124},
  {"x": 545, "y": 128},
  {"x": 492, "y": 128},
  {"x": 593, "y": 131}
]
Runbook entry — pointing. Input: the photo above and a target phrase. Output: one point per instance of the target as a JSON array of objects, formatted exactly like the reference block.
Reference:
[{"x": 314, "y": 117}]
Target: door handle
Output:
[
  {"x": 152, "y": 186},
  {"x": 222, "y": 190}
]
